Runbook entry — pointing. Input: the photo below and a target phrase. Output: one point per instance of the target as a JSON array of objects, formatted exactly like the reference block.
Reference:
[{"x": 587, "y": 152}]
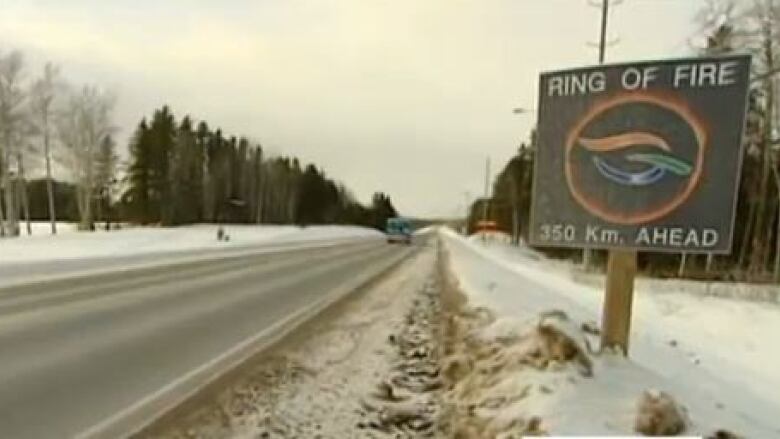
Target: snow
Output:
[
  {"x": 424, "y": 230},
  {"x": 490, "y": 237},
  {"x": 319, "y": 382},
  {"x": 44, "y": 228},
  {"x": 71, "y": 253},
  {"x": 715, "y": 355},
  {"x": 146, "y": 240}
]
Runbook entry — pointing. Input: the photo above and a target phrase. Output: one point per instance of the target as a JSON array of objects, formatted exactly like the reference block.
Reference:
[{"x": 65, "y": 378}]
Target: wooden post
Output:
[{"x": 616, "y": 317}]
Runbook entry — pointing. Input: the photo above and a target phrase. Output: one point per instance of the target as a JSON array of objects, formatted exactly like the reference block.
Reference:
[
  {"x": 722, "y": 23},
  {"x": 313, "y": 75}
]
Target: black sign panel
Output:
[{"x": 642, "y": 156}]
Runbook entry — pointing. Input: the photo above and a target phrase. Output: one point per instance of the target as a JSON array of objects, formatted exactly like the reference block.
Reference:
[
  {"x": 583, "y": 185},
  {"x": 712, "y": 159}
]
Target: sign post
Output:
[
  {"x": 618, "y": 297},
  {"x": 639, "y": 157}
]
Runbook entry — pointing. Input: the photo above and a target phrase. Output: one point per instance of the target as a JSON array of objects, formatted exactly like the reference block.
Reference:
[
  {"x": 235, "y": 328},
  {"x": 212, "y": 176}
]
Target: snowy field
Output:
[
  {"x": 716, "y": 357},
  {"x": 42, "y": 256},
  {"x": 44, "y": 228},
  {"x": 69, "y": 243}
]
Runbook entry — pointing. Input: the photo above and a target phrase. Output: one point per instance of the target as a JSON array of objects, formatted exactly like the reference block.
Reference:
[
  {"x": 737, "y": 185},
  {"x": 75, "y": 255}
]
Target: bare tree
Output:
[
  {"x": 12, "y": 117},
  {"x": 22, "y": 190},
  {"x": 25, "y": 151},
  {"x": 42, "y": 96},
  {"x": 82, "y": 126},
  {"x": 105, "y": 177}
]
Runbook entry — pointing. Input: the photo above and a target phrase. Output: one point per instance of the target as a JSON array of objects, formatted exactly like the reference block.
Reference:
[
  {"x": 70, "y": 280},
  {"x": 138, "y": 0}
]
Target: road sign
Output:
[{"x": 642, "y": 156}]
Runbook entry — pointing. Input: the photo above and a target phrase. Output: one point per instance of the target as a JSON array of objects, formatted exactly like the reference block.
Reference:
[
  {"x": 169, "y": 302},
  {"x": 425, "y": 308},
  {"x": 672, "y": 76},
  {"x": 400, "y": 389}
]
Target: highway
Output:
[{"x": 99, "y": 355}]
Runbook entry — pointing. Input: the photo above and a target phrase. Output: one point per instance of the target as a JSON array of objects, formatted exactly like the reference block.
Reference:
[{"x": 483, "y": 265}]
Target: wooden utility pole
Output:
[{"x": 603, "y": 37}]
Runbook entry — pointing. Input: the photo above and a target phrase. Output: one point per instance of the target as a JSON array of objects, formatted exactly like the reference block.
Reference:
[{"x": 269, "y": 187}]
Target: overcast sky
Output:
[{"x": 404, "y": 96}]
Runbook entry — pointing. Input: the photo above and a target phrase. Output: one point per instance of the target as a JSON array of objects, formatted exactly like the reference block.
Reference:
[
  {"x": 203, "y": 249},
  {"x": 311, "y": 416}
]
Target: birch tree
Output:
[
  {"x": 42, "y": 98},
  {"x": 82, "y": 126},
  {"x": 23, "y": 151},
  {"x": 105, "y": 177},
  {"x": 12, "y": 116}
]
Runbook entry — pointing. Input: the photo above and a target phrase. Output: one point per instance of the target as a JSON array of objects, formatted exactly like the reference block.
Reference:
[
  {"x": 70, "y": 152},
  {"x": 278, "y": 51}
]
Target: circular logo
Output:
[{"x": 635, "y": 157}]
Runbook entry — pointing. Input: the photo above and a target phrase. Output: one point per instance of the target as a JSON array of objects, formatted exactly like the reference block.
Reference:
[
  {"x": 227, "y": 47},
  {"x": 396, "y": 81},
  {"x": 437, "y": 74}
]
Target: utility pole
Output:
[
  {"x": 603, "y": 37},
  {"x": 603, "y": 43}
]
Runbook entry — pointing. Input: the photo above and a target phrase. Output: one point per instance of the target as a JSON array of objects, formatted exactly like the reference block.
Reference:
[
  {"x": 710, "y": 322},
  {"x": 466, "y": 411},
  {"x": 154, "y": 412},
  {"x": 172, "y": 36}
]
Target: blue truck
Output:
[{"x": 398, "y": 230}]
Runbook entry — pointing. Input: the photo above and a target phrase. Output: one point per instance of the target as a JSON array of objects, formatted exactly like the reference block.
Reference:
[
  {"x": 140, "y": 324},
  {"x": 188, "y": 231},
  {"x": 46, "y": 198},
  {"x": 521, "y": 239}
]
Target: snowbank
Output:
[
  {"x": 713, "y": 356},
  {"x": 491, "y": 237}
]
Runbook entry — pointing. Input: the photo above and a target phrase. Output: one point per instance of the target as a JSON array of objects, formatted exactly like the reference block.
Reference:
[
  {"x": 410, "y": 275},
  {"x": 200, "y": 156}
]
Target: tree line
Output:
[
  {"x": 183, "y": 172},
  {"x": 178, "y": 171},
  {"x": 724, "y": 27}
]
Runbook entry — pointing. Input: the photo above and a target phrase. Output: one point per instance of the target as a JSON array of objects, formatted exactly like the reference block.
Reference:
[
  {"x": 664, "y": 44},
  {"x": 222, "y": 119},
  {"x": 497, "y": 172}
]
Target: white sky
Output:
[{"x": 404, "y": 96}]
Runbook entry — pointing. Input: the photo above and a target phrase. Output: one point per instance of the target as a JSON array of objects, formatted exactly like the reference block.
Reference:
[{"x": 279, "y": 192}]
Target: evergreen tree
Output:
[
  {"x": 382, "y": 209},
  {"x": 187, "y": 170},
  {"x": 137, "y": 198},
  {"x": 162, "y": 134},
  {"x": 311, "y": 196}
]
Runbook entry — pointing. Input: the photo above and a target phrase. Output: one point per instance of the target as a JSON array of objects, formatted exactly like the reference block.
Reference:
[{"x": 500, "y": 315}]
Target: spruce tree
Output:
[
  {"x": 139, "y": 175},
  {"x": 162, "y": 132}
]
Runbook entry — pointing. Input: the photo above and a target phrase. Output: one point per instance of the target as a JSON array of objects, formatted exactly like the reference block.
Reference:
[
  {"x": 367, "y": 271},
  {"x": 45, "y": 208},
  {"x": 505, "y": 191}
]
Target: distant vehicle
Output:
[{"x": 398, "y": 230}]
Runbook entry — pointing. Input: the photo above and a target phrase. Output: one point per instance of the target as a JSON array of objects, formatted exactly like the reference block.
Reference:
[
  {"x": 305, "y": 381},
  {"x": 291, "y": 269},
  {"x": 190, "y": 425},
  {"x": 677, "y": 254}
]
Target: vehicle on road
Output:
[{"x": 398, "y": 230}]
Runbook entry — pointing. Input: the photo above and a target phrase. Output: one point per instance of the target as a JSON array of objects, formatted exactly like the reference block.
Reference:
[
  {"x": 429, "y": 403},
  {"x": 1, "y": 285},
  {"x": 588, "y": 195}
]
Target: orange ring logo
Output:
[{"x": 649, "y": 176}]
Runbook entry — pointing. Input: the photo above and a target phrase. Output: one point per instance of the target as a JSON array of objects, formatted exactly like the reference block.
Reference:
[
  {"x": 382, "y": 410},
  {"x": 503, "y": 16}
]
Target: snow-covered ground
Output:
[
  {"x": 715, "y": 356},
  {"x": 72, "y": 253},
  {"x": 146, "y": 240},
  {"x": 44, "y": 228},
  {"x": 329, "y": 380}
]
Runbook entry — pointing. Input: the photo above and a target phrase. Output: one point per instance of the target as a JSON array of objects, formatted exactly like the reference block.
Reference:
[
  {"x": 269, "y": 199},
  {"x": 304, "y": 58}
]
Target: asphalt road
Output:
[{"x": 83, "y": 355}]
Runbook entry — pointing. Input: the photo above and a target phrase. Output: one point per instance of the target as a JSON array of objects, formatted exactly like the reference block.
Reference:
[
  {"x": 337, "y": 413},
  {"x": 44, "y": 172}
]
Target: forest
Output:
[{"x": 175, "y": 171}]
